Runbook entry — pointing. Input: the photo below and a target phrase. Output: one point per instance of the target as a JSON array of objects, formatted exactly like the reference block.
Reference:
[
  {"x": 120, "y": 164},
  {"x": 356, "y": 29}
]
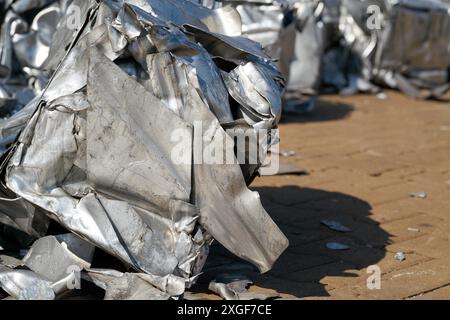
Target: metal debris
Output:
[
  {"x": 382, "y": 96},
  {"x": 351, "y": 46},
  {"x": 53, "y": 263},
  {"x": 306, "y": 46},
  {"x": 400, "y": 256},
  {"x": 135, "y": 286},
  {"x": 385, "y": 45},
  {"x": 420, "y": 195},
  {"x": 91, "y": 104},
  {"x": 335, "y": 225},
  {"x": 413, "y": 229},
  {"x": 290, "y": 32},
  {"x": 334, "y": 46},
  {"x": 234, "y": 287},
  {"x": 287, "y": 153},
  {"x": 337, "y": 246}
]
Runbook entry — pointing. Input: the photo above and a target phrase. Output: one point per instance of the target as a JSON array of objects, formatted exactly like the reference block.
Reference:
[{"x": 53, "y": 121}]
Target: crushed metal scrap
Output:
[
  {"x": 400, "y": 44},
  {"x": 289, "y": 33},
  {"x": 91, "y": 92},
  {"x": 351, "y": 46}
]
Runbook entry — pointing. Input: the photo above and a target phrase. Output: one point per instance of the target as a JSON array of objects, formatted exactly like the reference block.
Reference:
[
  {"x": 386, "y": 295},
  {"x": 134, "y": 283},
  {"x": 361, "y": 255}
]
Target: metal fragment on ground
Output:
[
  {"x": 419, "y": 195},
  {"x": 234, "y": 287},
  {"x": 53, "y": 262},
  {"x": 400, "y": 256},
  {"x": 133, "y": 286},
  {"x": 335, "y": 225},
  {"x": 337, "y": 246},
  {"x": 286, "y": 153}
]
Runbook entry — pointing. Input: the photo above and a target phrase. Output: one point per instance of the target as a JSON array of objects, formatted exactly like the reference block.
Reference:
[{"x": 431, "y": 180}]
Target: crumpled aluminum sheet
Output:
[
  {"x": 91, "y": 154},
  {"x": 410, "y": 51},
  {"x": 268, "y": 22},
  {"x": 308, "y": 45},
  {"x": 26, "y": 31},
  {"x": 325, "y": 46},
  {"x": 291, "y": 31}
]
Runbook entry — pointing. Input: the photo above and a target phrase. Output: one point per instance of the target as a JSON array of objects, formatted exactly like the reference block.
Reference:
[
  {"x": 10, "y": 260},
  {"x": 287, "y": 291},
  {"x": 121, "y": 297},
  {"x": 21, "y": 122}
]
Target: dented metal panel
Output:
[{"x": 112, "y": 147}]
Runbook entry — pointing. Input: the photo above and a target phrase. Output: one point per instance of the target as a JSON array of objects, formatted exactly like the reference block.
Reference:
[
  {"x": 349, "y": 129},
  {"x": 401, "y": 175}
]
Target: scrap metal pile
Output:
[
  {"x": 108, "y": 108},
  {"x": 351, "y": 46},
  {"x": 104, "y": 103},
  {"x": 399, "y": 44}
]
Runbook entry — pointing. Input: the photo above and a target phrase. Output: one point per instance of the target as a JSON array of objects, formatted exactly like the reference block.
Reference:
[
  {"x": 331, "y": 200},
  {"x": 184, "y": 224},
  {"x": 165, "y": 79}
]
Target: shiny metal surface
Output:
[{"x": 92, "y": 151}]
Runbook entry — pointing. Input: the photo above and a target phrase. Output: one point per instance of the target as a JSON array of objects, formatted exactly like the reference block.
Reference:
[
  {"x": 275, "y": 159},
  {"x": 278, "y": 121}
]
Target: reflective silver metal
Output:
[
  {"x": 404, "y": 44},
  {"x": 91, "y": 149}
]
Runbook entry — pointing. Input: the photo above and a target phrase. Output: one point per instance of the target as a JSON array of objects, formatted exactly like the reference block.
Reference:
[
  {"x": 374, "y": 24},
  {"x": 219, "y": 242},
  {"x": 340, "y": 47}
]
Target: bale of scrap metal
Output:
[
  {"x": 263, "y": 21},
  {"x": 292, "y": 32},
  {"x": 269, "y": 22},
  {"x": 305, "y": 63},
  {"x": 123, "y": 149},
  {"x": 402, "y": 44},
  {"x": 26, "y": 32}
]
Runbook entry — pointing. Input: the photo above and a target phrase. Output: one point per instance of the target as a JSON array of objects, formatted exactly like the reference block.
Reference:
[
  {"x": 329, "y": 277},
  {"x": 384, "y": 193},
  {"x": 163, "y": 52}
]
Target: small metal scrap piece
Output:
[
  {"x": 400, "y": 256},
  {"x": 419, "y": 195},
  {"x": 337, "y": 246},
  {"x": 335, "y": 225},
  {"x": 234, "y": 287}
]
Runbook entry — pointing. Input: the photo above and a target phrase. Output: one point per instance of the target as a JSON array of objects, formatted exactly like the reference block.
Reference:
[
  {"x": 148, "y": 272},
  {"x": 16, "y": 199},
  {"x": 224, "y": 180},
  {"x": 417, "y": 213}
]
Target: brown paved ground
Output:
[{"x": 364, "y": 156}]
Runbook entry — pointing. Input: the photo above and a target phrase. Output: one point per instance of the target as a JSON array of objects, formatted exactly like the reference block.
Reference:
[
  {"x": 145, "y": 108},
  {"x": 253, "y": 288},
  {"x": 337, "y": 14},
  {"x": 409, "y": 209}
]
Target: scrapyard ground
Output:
[{"x": 364, "y": 156}]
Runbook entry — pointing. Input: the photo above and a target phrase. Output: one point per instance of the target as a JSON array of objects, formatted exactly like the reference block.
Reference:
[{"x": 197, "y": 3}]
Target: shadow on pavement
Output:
[
  {"x": 306, "y": 267},
  {"x": 324, "y": 111}
]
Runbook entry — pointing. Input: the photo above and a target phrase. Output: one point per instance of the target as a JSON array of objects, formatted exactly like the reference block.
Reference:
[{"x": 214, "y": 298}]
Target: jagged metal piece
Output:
[{"x": 94, "y": 150}]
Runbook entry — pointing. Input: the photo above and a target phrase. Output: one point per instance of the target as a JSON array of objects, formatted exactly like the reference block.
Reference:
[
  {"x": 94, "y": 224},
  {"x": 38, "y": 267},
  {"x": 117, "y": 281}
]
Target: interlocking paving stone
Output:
[{"x": 364, "y": 157}]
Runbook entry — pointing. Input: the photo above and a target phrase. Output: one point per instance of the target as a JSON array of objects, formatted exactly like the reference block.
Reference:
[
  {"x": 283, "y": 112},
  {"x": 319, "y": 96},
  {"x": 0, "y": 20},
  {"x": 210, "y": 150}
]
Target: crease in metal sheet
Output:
[{"x": 87, "y": 144}]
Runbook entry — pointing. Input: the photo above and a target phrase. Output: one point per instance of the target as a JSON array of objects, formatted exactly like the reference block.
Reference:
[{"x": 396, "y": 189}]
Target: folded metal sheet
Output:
[
  {"x": 53, "y": 264},
  {"x": 308, "y": 46},
  {"x": 351, "y": 46},
  {"x": 134, "y": 286},
  {"x": 292, "y": 32},
  {"x": 108, "y": 149},
  {"x": 408, "y": 50}
]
